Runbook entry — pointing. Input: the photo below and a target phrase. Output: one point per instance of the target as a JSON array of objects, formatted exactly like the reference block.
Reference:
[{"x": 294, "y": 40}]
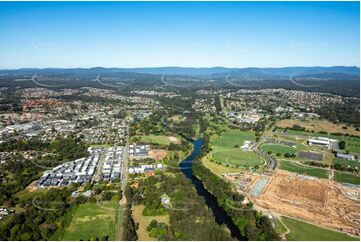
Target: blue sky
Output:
[{"x": 197, "y": 34}]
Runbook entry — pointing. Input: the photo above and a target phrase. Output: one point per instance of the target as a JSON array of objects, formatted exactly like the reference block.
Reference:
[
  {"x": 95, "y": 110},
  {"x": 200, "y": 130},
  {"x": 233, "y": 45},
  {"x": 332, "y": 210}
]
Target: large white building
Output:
[{"x": 320, "y": 141}]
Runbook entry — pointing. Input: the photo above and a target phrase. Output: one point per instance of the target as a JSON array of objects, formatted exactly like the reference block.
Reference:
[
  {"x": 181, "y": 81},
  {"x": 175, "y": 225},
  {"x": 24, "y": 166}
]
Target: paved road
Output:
[{"x": 123, "y": 183}]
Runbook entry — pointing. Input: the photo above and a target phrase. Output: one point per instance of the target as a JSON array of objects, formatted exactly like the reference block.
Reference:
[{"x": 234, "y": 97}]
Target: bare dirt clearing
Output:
[
  {"x": 318, "y": 201},
  {"x": 157, "y": 154},
  {"x": 174, "y": 140}
]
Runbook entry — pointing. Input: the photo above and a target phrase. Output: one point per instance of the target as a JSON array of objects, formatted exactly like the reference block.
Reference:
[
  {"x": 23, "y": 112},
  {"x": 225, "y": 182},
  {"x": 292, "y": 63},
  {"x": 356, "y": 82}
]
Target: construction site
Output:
[{"x": 318, "y": 201}]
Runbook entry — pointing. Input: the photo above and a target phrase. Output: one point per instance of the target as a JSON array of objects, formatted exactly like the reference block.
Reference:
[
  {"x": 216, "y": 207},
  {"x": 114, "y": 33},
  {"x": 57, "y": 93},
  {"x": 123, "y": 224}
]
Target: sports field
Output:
[
  {"x": 225, "y": 150},
  {"x": 92, "y": 221},
  {"x": 304, "y": 170},
  {"x": 305, "y": 231},
  {"x": 347, "y": 178},
  {"x": 278, "y": 148},
  {"x": 157, "y": 139}
]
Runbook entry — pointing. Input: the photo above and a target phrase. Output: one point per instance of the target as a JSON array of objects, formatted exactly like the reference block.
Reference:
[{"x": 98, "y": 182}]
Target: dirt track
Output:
[{"x": 318, "y": 201}]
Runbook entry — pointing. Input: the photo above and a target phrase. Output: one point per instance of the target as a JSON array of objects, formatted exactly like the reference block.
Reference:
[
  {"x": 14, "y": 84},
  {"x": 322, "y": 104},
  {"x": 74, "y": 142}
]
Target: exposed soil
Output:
[
  {"x": 318, "y": 201},
  {"x": 174, "y": 140},
  {"x": 157, "y": 154}
]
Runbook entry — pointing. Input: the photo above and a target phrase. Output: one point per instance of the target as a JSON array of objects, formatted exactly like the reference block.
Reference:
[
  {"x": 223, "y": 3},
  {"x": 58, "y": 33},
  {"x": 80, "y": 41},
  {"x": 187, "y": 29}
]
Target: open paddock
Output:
[{"x": 318, "y": 125}]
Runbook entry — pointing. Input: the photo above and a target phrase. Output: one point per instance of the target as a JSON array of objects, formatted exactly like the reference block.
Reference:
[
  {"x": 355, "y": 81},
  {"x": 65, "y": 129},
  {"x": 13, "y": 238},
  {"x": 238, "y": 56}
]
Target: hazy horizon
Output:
[{"x": 150, "y": 67}]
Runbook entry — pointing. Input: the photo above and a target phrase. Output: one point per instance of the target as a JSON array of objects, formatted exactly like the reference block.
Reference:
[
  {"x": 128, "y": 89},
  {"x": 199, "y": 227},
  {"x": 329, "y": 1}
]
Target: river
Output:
[{"x": 220, "y": 215}]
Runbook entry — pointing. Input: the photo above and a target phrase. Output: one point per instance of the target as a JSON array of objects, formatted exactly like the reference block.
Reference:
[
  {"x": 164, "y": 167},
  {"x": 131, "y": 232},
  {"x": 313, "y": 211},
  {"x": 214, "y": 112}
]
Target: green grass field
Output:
[
  {"x": 346, "y": 163},
  {"x": 347, "y": 178},
  {"x": 280, "y": 229},
  {"x": 219, "y": 169},
  {"x": 91, "y": 221},
  {"x": 155, "y": 139},
  {"x": 224, "y": 149},
  {"x": 309, "y": 171},
  {"x": 278, "y": 148},
  {"x": 305, "y": 231}
]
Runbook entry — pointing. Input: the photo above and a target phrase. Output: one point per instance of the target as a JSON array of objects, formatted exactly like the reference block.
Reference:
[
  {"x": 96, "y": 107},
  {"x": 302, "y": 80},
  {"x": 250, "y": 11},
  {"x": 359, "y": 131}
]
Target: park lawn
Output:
[
  {"x": 305, "y": 231},
  {"x": 304, "y": 170},
  {"x": 347, "y": 178},
  {"x": 224, "y": 150},
  {"x": 155, "y": 139},
  {"x": 230, "y": 138},
  {"x": 278, "y": 148},
  {"x": 91, "y": 221},
  {"x": 219, "y": 169},
  {"x": 144, "y": 221}
]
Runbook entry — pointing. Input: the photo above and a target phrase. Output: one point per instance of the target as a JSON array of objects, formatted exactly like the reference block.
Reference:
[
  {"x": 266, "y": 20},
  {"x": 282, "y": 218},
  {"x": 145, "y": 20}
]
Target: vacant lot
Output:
[
  {"x": 317, "y": 126},
  {"x": 318, "y": 201},
  {"x": 300, "y": 169},
  {"x": 225, "y": 149},
  {"x": 157, "y": 154},
  {"x": 92, "y": 221},
  {"x": 347, "y": 178},
  {"x": 278, "y": 148},
  {"x": 158, "y": 139},
  {"x": 305, "y": 231},
  {"x": 144, "y": 221}
]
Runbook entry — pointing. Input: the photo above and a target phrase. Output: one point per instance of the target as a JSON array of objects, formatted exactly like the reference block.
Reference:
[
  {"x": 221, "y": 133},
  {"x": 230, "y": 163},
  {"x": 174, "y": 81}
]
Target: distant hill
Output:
[{"x": 250, "y": 73}]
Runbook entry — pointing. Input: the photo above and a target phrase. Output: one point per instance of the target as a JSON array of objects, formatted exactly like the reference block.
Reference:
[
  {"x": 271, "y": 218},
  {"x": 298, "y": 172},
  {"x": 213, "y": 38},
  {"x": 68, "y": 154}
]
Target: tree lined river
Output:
[{"x": 220, "y": 215}]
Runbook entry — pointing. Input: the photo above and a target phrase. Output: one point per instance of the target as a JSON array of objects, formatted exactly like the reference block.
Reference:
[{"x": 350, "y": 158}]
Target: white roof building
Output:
[
  {"x": 320, "y": 141},
  {"x": 345, "y": 156}
]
